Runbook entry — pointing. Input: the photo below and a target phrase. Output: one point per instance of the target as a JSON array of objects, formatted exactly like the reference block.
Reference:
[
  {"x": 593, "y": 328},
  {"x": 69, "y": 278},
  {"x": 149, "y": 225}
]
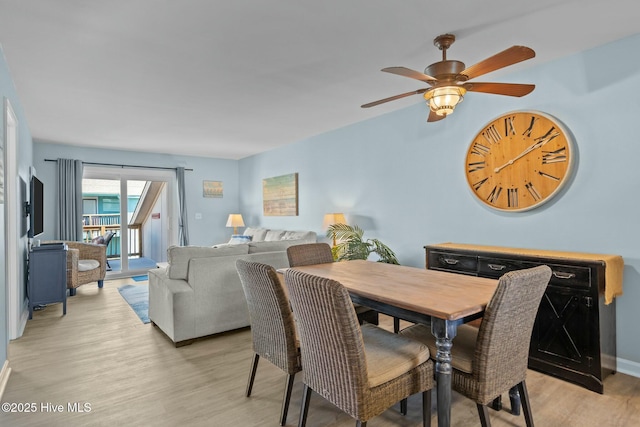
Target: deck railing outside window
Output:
[{"x": 94, "y": 225}]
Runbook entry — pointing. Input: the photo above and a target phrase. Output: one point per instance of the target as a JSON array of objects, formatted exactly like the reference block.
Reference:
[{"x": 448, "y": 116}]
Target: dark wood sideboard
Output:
[{"x": 574, "y": 336}]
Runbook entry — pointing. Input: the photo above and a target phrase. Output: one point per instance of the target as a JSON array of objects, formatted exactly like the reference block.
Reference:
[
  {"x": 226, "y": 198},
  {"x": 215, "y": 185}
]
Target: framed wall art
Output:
[
  {"x": 212, "y": 189},
  {"x": 280, "y": 195}
]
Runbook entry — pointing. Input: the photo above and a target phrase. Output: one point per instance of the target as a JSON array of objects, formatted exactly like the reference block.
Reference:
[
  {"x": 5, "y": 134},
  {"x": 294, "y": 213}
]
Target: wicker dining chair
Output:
[
  {"x": 320, "y": 253},
  {"x": 488, "y": 361},
  {"x": 361, "y": 370},
  {"x": 272, "y": 326}
]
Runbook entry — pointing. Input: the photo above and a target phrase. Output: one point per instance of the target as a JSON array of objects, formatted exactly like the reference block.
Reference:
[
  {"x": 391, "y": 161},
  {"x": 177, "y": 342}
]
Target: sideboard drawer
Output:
[
  {"x": 572, "y": 276},
  {"x": 448, "y": 261},
  {"x": 565, "y": 276},
  {"x": 496, "y": 267}
]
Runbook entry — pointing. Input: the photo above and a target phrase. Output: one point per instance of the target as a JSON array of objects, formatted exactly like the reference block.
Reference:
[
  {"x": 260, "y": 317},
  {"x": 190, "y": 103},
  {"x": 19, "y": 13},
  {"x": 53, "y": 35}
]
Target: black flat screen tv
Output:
[{"x": 36, "y": 207}]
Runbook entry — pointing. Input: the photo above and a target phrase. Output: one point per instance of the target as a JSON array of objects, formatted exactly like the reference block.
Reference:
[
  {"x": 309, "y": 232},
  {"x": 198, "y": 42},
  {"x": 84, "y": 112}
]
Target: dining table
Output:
[{"x": 439, "y": 299}]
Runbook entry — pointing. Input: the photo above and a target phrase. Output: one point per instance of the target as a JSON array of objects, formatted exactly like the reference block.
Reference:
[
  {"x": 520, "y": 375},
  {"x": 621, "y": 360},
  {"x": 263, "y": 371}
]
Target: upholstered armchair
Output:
[{"x": 86, "y": 263}]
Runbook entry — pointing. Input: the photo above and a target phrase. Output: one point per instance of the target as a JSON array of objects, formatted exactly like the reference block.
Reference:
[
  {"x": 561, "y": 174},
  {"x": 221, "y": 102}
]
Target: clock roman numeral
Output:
[
  {"x": 475, "y": 166},
  {"x": 527, "y": 132},
  {"x": 512, "y": 197},
  {"x": 495, "y": 193},
  {"x": 548, "y": 135},
  {"x": 477, "y": 185},
  {"x": 509, "y": 126},
  {"x": 491, "y": 134},
  {"x": 479, "y": 149},
  {"x": 546, "y": 175},
  {"x": 532, "y": 190},
  {"x": 559, "y": 155}
]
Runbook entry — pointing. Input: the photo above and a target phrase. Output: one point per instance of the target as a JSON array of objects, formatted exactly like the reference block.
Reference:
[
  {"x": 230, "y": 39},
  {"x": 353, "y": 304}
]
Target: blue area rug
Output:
[
  {"x": 140, "y": 278},
  {"x": 134, "y": 264},
  {"x": 138, "y": 298}
]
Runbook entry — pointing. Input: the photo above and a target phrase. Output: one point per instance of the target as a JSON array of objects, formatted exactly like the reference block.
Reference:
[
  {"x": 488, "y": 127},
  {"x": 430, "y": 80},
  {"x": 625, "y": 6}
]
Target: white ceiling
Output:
[{"x": 229, "y": 79}]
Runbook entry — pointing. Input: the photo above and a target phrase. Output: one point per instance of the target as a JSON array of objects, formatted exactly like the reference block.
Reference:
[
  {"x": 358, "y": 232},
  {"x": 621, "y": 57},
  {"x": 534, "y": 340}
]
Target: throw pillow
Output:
[
  {"x": 237, "y": 239},
  {"x": 257, "y": 234},
  {"x": 98, "y": 240},
  {"x": 274, "y": 235},
  {"x": 297, "y": 235}
]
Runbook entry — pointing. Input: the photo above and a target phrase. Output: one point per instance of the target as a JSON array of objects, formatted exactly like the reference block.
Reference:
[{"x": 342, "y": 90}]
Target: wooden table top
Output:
[{"x": 446, "y": 296}]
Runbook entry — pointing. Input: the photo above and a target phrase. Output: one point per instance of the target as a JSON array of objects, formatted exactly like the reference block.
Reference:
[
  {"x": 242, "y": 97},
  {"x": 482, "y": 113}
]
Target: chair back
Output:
[
  {"x": 107, "y": 238},
  {"x": 272, "y": 326},
  {"x": 309, "y": 254},
  {"x": 502, "y": 347},
  {"x": 331, "y": 343}
]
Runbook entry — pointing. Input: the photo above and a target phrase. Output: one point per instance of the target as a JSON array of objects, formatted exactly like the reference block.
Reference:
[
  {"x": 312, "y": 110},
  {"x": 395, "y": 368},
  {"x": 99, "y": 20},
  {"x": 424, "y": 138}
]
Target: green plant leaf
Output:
[{"x": 350, "y": 244}]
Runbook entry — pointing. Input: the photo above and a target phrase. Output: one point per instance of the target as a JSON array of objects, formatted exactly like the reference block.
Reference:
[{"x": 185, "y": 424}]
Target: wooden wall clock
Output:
[{"x": 519, "y": 160}]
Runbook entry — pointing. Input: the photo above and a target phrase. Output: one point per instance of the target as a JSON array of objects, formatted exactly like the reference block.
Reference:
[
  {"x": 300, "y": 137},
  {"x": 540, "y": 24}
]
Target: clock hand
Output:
[{"x": 529, "y": 149}]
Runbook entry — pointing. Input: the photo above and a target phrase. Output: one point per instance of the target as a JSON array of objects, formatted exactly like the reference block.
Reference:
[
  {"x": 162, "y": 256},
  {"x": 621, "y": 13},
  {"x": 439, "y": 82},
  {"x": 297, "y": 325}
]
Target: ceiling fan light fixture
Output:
[{"x": 443, "y": 100}]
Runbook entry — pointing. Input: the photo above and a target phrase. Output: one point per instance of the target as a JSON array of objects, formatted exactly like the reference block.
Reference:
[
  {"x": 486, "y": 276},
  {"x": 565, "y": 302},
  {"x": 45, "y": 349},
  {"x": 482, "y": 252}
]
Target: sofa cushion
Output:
[
  {"x": 280, "y": 245},
  {"x": 307, "y": 236},
  {"x": 257, "y": 234},
  {"x": 274, "y": 235},
  {"x": 87, "y": 264},
  {"x": 178, "y": 256}
]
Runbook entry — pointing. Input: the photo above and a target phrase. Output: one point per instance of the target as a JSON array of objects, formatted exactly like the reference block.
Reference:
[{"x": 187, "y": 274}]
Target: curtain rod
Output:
[{"x": 123, "y": 166}]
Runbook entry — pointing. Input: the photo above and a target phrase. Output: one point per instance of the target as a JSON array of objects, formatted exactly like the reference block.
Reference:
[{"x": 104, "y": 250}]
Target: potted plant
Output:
[{"x": 351, "y": 245}]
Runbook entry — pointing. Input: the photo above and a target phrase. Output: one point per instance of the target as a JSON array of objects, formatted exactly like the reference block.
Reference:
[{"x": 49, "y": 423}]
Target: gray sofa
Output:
[{"x": 199, "y": 293}]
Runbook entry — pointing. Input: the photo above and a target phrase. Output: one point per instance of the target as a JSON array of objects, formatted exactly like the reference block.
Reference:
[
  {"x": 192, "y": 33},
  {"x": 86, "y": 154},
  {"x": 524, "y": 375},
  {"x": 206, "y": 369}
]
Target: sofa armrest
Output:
[{"x": 171, "y": 303}]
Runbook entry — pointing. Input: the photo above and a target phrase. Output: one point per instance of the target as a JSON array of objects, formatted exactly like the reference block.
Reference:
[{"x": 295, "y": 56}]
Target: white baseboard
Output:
[
  {"x": 628, "y": 367},
  {"x": 4, "y": 377},
  {"x": 24, "y": 317}
]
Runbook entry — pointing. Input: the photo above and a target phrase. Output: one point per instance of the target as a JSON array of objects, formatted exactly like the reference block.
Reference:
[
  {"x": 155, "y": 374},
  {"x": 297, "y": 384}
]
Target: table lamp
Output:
[
  {"x": 333, "y": 218},
  {"x": 235, "y": 221}
]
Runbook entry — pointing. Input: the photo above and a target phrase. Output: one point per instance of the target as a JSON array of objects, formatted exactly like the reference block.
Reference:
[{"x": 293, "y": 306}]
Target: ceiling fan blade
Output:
[
  {"x": 509, "y": 89},
  {"x": 393, "y": 98},
  {"x": 408, "y": 72},
  {"x": 507, "y": 57},
  {"x": 433, "y": 117}
]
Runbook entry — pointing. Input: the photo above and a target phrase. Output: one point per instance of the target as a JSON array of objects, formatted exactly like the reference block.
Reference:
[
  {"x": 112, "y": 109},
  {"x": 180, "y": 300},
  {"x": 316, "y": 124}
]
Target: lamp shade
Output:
[
  {"x": 333, "y": 218},
  {"x": 235, "y": 221},
  {"x": 443, "y": 100}
]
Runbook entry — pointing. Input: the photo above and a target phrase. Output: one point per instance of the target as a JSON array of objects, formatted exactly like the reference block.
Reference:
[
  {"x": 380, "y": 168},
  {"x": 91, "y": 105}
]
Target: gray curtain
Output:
[
  {"x": 183, "y": 218},
  {"x": 69, "y": 199}
]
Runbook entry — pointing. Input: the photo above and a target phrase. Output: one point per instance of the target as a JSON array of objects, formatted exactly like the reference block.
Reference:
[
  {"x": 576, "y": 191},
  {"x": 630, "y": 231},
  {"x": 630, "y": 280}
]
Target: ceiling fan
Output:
[{"x": 449, "y": 79}]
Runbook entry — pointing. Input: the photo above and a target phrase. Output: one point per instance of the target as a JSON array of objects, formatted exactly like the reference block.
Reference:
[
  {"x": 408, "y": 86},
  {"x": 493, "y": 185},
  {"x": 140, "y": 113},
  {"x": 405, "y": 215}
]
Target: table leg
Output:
[{"x": 444, "y": 331}]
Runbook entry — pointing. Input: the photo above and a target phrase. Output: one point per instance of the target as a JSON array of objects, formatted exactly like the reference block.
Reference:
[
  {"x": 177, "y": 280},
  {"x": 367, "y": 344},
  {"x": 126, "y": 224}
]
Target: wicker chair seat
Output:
[
  {"x": 88, "y": 264},
  {"x": 462, "y": 351},
  {"x": 390, "y": 355}
]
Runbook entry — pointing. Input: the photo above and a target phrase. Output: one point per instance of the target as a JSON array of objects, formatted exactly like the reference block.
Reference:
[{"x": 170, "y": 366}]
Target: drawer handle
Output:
[
  {"x": 450, "y": 261},
  {"x": 562, "y": 275},
  {"x": 497, "y": 267}
]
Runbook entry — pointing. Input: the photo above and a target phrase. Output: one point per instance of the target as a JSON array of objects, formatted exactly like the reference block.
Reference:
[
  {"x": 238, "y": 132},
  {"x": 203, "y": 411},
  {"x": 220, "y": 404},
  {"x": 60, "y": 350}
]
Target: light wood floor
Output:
[{"x": 130, "y": 374}]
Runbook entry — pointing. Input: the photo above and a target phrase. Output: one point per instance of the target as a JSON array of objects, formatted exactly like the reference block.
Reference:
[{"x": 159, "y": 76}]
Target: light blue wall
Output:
[
  {"x": 24, "y": 157},
  {"x": 403, "y": 180},
  {"x": 207, "y": 231}
]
